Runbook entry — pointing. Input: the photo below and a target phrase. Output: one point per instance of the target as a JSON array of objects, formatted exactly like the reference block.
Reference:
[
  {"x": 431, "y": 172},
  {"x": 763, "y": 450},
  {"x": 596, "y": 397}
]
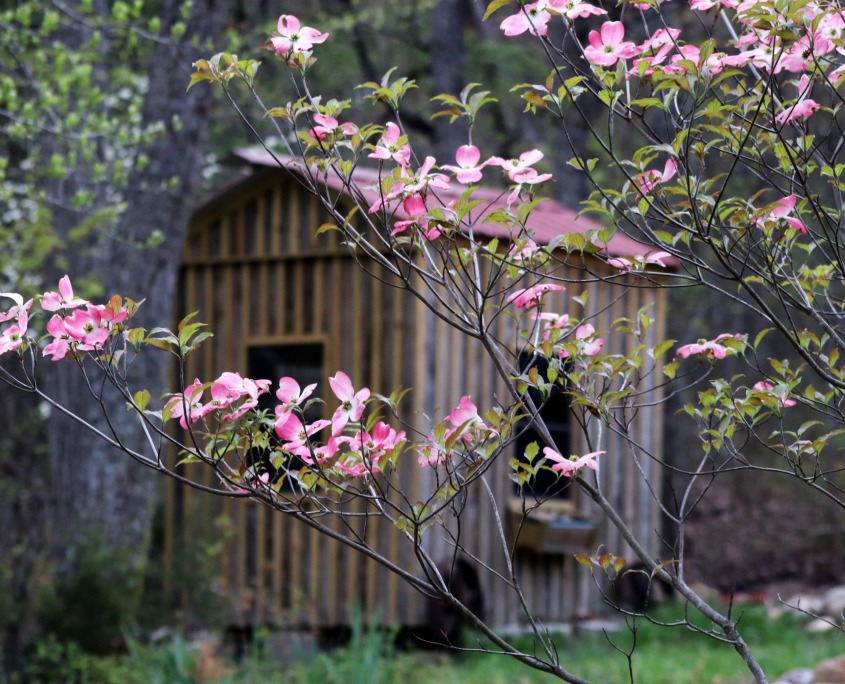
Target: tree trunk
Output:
[
  {"x": 95, "y": 490},
  {"x": 448, "y": 72}
]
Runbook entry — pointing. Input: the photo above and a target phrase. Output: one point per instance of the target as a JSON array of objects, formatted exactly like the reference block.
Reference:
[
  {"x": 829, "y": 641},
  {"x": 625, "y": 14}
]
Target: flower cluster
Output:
[
  {"x": 411, "y": 188},
  {"x": 76, "y": 326},
  {"x": 14, "y": 335},
  {"x": 800, "y": 46},
  {"x": 230, "y": 393}
]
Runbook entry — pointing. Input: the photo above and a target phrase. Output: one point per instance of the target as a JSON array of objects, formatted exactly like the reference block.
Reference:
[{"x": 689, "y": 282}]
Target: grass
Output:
[{"x": 661, "y": 655}]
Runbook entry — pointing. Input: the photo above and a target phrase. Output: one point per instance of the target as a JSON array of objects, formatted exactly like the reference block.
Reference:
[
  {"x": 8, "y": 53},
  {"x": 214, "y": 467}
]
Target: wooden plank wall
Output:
[
  {"x": 554, "y": 585},
  {"x": 258, "y": 275}
]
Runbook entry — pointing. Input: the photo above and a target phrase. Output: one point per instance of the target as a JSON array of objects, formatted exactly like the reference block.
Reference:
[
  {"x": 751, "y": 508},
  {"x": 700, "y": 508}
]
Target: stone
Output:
[
  {"x": 819, "y": 625},
  {"x": 800, "y": 676},
  {"x": 834, "y": 602},
  {"x": 830, "y": 671}
]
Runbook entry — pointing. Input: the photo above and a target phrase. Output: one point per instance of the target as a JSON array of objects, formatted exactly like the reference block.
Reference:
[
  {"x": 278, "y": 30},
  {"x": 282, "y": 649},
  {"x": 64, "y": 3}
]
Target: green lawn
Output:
[{"x": 662, "y": 656}]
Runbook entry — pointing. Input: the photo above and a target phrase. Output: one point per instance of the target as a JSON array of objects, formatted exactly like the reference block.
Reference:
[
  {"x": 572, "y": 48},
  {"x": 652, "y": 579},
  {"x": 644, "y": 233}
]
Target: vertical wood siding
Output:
[{"x": 258, "y": 275}]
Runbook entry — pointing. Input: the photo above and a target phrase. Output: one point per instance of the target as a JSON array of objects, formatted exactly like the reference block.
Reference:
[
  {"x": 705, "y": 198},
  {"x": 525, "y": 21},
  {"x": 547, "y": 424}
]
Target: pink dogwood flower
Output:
[
  {"x": 414, "y": 207},
  {"x": 552, "y": 322},
  {"x": 711, "y": 348},
  {"x": 803, "y": 107},
  {"x": 231, "y": 387},
  {"x": 783, "y": 398},
  {"x": 296, "y": 435},
  {"x": 293, "y": 37},
  {"x": 588, "y": 343},
  {"x": 533, "y": 18},
  {"x": 576, "y": 9},
  {"x": 14, "y": 335},
  {"x": 520, "y": 170},
  {"x": 15, "y": 311},
  {"x": 63, "y": 299},
  {"x": 87, "y": 328},
  {"x": 530, "y": 297},
  {"x": 625, "y": 264},
  {"x": 465, "y": 414},
  {"x": 290, "y": 395},
  {"x": 468, "y": 169},
  {"x": 389, "y": 148},
  {"x": 704, "y": 5},
  {"x": 518, "y": 254},
  {"x": 570, "y": 467},
  {"x": 647, "y": 181},
  {"x": 328, "y": 125},
  {"x": 186, "y": 406},
  {"x": 412, "y": 184},
  {"x": 607, "y": 47},
  {"x": 59, "y": 348},
  {"x": 654, "y": 51},
  {"x": 352, "y": 403},
  {"x": 779, "y": 211}
]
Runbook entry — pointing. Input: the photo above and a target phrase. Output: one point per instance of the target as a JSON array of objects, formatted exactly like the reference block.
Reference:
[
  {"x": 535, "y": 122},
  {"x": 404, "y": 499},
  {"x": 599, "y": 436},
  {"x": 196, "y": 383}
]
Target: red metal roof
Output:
[{"x": 547, "y": 221}]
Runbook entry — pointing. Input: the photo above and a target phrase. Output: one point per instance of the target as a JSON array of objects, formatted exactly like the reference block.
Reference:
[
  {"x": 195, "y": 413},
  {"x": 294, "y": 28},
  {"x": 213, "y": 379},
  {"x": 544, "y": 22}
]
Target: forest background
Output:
[{"x": 103, "y": 157}]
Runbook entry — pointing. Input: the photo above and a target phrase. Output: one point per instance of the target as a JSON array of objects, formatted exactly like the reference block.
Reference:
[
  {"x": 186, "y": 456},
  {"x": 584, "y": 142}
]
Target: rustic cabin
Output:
[{"x": 279, "y": 298}]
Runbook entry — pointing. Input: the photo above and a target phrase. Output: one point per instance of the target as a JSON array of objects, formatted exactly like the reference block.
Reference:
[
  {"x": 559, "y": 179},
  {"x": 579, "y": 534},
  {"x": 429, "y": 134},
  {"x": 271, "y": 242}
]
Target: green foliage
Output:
[
  {"x": 92, "y": 602},
  {"x": 783, "y": 645}
]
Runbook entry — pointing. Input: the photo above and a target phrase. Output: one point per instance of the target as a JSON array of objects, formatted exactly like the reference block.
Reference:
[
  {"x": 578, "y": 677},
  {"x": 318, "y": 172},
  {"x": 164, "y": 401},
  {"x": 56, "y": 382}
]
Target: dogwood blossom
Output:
[
  {"x": 14, "y": 335},
  {"x": 389, "y": 148},
  {"x": 552, "y": 322},
  {"x": 352, "y": 403},
  {"x": 63, "y": 299},
  {"x": 570, "y": 467},
  {"x": 519, "y": 170},
  {"x": 328, "y": 125},
  {"x": 533, "y": 18},
  {"x": 607, "y": 46},
  {"x": 588, "y": 343},
  {"x": 708, "y": 348},
  {"x": 186, "y": 406},
  {"x": 290, "y": 395},
  {"x": 576, "y": 9},
  {"x": 783, "y": 398},
  {"x": 625, "y": 264},
  {"x": 803, "y": 107},
  {"x": 779, "y": 211},
  {"x": 293, "y": 37},
  {"x": 468, "y": 169},
  {"x": 530, "y": 297},
  {"x": 647, "y": 181}
]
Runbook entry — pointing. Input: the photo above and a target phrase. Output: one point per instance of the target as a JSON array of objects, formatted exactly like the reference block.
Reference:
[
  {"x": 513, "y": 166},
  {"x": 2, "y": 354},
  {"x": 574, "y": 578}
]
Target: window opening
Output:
[
  {"x": 557, "y": 415},
  {"x": 304, "y": 363}
]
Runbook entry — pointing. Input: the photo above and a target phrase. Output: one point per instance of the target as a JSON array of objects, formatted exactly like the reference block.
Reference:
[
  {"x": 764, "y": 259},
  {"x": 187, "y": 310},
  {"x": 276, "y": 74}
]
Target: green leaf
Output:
[
  {"x": 495, "y": 5},
  {"x": 141, "y": 399},
  {"x": 584, "y": 560}
]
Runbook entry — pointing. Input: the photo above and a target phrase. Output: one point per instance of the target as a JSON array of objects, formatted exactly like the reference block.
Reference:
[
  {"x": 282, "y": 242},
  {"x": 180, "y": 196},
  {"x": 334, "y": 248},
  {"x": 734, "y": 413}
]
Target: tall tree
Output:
[{"x": 102, "y": 153}]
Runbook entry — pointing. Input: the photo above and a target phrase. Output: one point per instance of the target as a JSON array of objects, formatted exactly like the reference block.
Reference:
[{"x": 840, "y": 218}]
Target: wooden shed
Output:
[{"x": 283, "y": 300}]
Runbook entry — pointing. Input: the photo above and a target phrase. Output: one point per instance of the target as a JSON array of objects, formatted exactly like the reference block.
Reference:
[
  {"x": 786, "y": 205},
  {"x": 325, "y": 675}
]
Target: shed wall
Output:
[{"x": 258, "y": 275}]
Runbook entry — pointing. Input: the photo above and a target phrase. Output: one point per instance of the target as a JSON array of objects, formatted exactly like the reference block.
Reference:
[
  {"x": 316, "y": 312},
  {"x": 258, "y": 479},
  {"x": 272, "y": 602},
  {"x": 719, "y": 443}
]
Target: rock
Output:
[
  {"x": 820, "y": 625},
  {"x": 834, "y": 602},
  {"x": 801, "y": 676},
  {"x": 830, "y": 671},
  {"x": 814, "y": 605}
]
